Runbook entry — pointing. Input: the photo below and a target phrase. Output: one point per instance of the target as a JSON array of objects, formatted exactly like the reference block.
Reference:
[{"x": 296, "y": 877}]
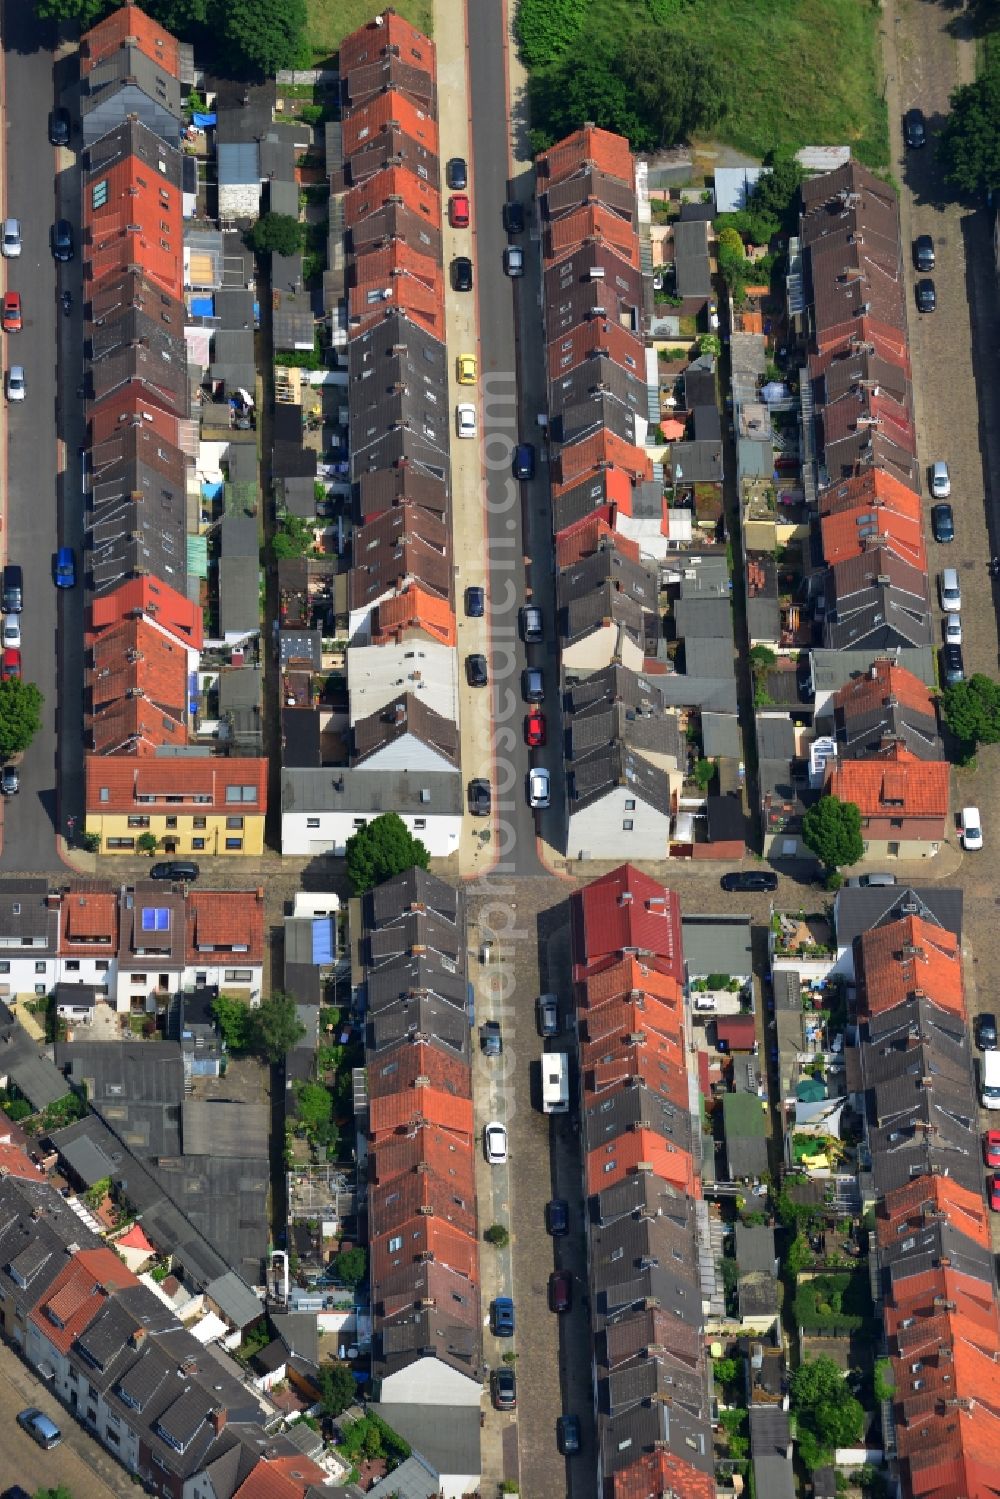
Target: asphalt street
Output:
[{"x": 42, "y": 501}]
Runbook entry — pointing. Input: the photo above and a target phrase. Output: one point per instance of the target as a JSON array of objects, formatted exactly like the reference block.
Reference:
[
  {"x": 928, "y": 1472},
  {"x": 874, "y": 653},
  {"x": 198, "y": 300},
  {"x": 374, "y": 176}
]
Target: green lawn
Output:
[
  {"x": 801, "y": 72},
  {"x": 330, "y": 20}
]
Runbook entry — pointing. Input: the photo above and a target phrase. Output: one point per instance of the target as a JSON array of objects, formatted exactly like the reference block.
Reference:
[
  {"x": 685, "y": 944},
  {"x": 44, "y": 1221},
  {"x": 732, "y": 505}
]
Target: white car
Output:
[
  {"x": 538, "y": 788},
  {"x": 950, "y": 590},
  {"x": 953, "y": 629},
  {"x": 971, "y": 827},
  {"x": 513, "y": 260},
  {"x": 15, "y": 383},
  {"x": 495, "y": 1143},
  {"x": 11, "y": 244},
  {"x": 465, "y": 419},
  {"x": 11, "y": 633},
  {"x": 940, "y": 481}
]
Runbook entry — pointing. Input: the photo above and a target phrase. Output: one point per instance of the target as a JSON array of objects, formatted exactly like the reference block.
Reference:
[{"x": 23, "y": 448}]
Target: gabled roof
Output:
[
  {"x": 586, "y": 147},
  {"x": 146, "y": 598},
  {"x": 866, "y": 513},
  {"x": 224, "y": 923},
  {"x": 388, "y": 35},
  {"x": 131, "y": 407},
  {"x": 394, "y": 182},
  {"x": 893, "y": 783},
  {"x": 201, "y": 782},
  {"x": 136, "y": 683},
  {"x": 602, "y": 450},
  {"x": 138, "y": 224},
  {"x": 78, "y": 1293},
  {"x": 129, "y": 24},
  {"x": 909, "y": 957},
  {"x": 877, "y": 600},
  {"x": 596, "y": 224},
  {"x": 407, "y": 717},
  {"x": 887, "y": 703},
  {"x": 414, "y": 610},
  {"x": 626, "y": 909},
  {"x": 389, "y": 107},
  {"x": 404, "y": 546}
]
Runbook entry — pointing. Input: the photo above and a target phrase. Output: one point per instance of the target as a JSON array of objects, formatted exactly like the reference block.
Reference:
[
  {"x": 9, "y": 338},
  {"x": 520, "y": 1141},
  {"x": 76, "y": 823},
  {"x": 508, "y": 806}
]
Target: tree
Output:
[
  {"x": 264, "y": 36},
  {"x": 827, "y": 1414},
  {"x": 726, "y": 1371},
  {"x": 59, "y": 1492},
  {"x": 20, "y": 716},
  {"x": 497, "y": 1235},
  {"x": 315, "y": 1105},
  {"x": 337, "y": 1388},
  {"x": 381, "y": 849},
  {"x": 275, "y": 1027},
  {"x": 674, "y": 84},
  {"x": 544, "y": 29},
  {"x": 294, "y": 538},
  {"x": 276, "y": 232},
  {"x": 972, "y": 710},
  {"x": 146, "y": 843},
  {"x": 232, "y": 1017},
  {"x": 832, "y": 829},
  {"x": 773, "y": 199},
  {"x": 351, "y": 1266},
  {"x": 969, "y": 144}
]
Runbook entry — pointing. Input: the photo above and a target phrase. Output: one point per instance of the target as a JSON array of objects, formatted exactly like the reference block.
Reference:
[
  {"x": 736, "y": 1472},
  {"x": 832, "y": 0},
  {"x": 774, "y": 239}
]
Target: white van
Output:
[{"x": 989, "y": 1077}]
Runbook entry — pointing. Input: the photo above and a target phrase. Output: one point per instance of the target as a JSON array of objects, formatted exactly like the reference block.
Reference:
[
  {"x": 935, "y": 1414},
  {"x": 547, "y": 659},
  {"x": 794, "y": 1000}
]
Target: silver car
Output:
[
  {"x": 538, "y": 788},
  {"x": 11, "y": 244},
  {"x": 940, "y": 481},
  {"x": 15, "y": 383}
]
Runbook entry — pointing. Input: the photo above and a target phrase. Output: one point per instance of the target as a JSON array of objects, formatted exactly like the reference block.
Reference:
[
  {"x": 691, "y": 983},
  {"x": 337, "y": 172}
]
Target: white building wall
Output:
[
  {"x": 430, "y": 1381},
  {"x": 439, "y": 833},
  {"x": 74, "y": 970},
  {"x": 602, "y": 826},
  {"x": 134, "y": 985},
  {"x": 229, "y": 972},
  {"x": 239, "y": 200},
  {"x": 23, "y": 974}
]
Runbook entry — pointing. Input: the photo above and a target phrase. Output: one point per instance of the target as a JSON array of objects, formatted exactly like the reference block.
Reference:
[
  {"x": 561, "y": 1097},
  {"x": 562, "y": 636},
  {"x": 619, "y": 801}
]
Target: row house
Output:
[
  {"x": 145, "y": 631},
  {"x": 642, "y": 1165},
  {"x": 422, "y": 1213},
  {"x": 935, "y": 1276},
  {"x": 392, "y": 744}
]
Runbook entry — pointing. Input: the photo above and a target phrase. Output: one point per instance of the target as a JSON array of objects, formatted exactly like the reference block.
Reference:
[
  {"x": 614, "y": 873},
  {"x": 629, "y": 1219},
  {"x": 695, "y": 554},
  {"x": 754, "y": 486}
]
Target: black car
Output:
[
  {"x": 175, "y": 869},
  {"x": 10, "y": 780},
  {"x": 942, "y": 523},
  {"x": 61, "y": 240},
  {"x": 475, "y": 602},
  {"x": 568, "y": 1435},
  {"x": 923, "y": 252},
  {"x": 915, "y": 129},
  {"x": 532, "y": 685},
  {"x": 513, "y": 218},
  {"x": 986, "y": 1031},
  {"x": 557, "y": 1217},
  {"x": 59, "y": 127},
  {"x": 457, "y": 174},
  {"x": 952, "y": 665},
  {"x": 750, "y": 880},
  {"x": 926, "y": 295},
  {"x": 524, "y": 461},
  {"x": 503, "y": 1388},
  {"x": 480, "y": 797},
  {"x": 461, "y": 273},
  {"x": 476, "y": 673},
  {"x": 491, "y": 1041}
]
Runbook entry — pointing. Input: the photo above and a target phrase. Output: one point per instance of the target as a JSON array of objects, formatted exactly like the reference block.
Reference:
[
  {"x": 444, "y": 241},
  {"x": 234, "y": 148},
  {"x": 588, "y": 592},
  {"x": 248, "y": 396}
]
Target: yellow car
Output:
[{"x": 466, "y": 369}]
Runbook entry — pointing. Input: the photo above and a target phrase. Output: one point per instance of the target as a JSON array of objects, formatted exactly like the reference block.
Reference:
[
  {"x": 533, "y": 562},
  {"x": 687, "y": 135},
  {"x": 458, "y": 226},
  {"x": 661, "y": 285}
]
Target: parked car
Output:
[
  {"x": 995, "y": 1192},
  {"x": 534, "y": 730},
  {"x": 465, "y": 369},
  {"x": 480, "y": 797},
  {"x": 65, "y": 568},
  {"x": 503, "y": 1389},
  {"x": 953, "y": 629},
  {"x": 561, "y": 1291},
  {"x": 11, "y": 632},
  {"x": 495, "y": 1143},
  {"x": 940, "y": 480},
  {"x": 10, "y": 666},
  {"x": 461, "y": 273},
  {"x": 10, "y": 780},
  {"x": 513, "y": 261},
  {"x": 986, "y": 1030},
  {"x": 458, "y": 211},
  {"x": 61, "y": 240},
  {"x": 568, "y": 1435},
  {"x": 557, "y": 1217},
  {"x": 943, "y": 523},
  {"x": 991, "y": 1147},
  {"x": 465, "y": 419},
  {"x": 11, "y": 240},
  {"x": 59, "y": 127},
  {"x": 457, "y": 174},
  {"x": 952, "y": 665},
  {"x": 502, "y": 1317},
  {"x": 971, "y": 829},
  {"x": 915, "y": 129},
  {"x": 15, "y": 383},
  {"x": 491, "y": 1039},
  {"x": 532, "y": 685},
  {"x": 12, "y": 600},
  {"x": 10, "y": 318},
  {"x": 524, "y": 461},
  {"x": 871, "y": 881},
  {"x": 476, "y": 673},
  {"x": 38, "y": 1426},
  {"x": 539, "y": 788},
  {"x": 923, "y": 252},
  {"x": 530, "y": 620},
  {"x": 950, "y": 590},
  {"x": 748, "y": 880},
  {"x": 513, "y": 217},
  {"x": 475, "y": 602},
  {"x": 175, "y": 869},
  {"x": 547, "y": 1014},
  {"x": 926, "y": 294}
]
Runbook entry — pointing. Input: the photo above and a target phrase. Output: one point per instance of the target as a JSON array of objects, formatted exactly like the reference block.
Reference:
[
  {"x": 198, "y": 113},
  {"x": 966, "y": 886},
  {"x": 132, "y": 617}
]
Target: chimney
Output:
[
  {"x": 217, "y": 1419},
  {"x": 138, "y": 1338}
]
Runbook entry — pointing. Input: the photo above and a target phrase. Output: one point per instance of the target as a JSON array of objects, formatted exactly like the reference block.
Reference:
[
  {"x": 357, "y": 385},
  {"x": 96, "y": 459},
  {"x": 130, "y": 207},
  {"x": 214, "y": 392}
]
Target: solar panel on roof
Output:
[{"x": 155, "y": 919}]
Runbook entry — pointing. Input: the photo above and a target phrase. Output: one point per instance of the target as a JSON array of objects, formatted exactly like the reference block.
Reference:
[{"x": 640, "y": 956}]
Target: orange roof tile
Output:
[
  {"x": 401, "y": 290},
  {"x": 78, "y": 1293},
  {"x": 916, "y": 1201},
  {"x": 633, "y": 975},
  {"x": 604, "y": 447},
  {"x": 585, "y": 538},
  {"x": 589, "y": 146},
  {"x": 611, "y": 1163},
  {"x": 157, "y": 603},
  {"x": 134, "y": 659},
  {"x": 884, "y": 680},
  {"x": 387, "y": 32},
  {"x": 399, "y": 1068},
  {"x": 129, "y": 24},
  {"x": 391, "y": 108},
  {"x": 895, "y": 521},
  {"x": 421, "y": 1236},
  {"x": 378, "y": 266},
  {"x": 910, "y": 957},
  {"x": 402, "y": 1110},
  {"x": 893, "y": 783},
  {"x": 134, "y": 726},
  {"x": 135, "y": 1239},
  {"x": 282, "y": 1478},
  {"x": 594, "y": 222},
  {"x": 126, "y": 778},
  {"x": 626, "y": 908},
  {"x": 392, "y": 182},
  {"x": 445, "y": 1153},
  {"x": 130, "y": 407},
  {"x": 658, "y": 1473},
  {"x": 651, "y": 1063},
  {"x": 139, "y": 223},
  {"x": 416, "y": 1194},
  {"x": 14, "y": 1162},
  {"x": 225, "y": 921},
  {"x": 413, "y": 609},
  {"x": 88, "y": 921}
]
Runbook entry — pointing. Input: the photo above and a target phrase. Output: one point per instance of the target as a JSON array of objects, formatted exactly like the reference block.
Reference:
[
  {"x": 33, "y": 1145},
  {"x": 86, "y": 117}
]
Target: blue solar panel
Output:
[{"x": 156, "y": 919}]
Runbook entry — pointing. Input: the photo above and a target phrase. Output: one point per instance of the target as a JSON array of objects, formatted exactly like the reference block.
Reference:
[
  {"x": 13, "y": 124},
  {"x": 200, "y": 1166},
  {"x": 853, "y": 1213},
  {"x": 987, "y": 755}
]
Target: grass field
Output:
[
  {"x": 802, "y": 72},
  {"x": 330, "y": 20}
]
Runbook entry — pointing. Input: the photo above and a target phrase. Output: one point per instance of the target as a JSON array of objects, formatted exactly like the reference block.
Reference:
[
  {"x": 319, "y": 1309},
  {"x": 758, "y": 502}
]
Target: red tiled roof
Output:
[
  {"x": 413, "y": 609},
  {"x": 394, "y": 182},
  {"x": 414, "y": 1195},
  {"x": 218, "y": 920},
  {"x": 604, "y": 447},
  {"x": 446, "y": 1154},
  {"x": 400, "y": 289},
  {"x": 78, "y": 1293},
  {"x": 14, "y": 1162},
  {"x": 627, "y": 909},
  {"x": 135, "y": 1239},
  {"x": 127, "y": 777},
  {"x": 281, "y": 1478},
  {"x": 88, "y": 921},
  {"x": 387, "y": 32},
  {"x": 136, "y": 668},
  {"x": 592, "y": 221},
  {"x": 134, "y": 726},
  {"x": 421, "y": 1236},
  {"x": 130, "y": 408},
  {"x": 402, "y": 1110},
  {"x": 850, "y": 531},
  {"x": 608, "y": 152},
  {"x": 611, "y": 1163},
  {"x": 129, "y": 24},
  {"x": 585, "y": 538},
  {"x": 654, "y": 1062},
  {"x": 594, "y": 337},
  {"x": 398, "y": 1069},
  {"x": 159, "y": 604},
  {"x": 655, "y": 1474},
  {"x": 884, "y": 680},
  {"x": 139, "y": 223},
  {"x": 910, "y": 957},
  {"x": 634, "y": 976},
  {"x": 362, "y": 125},
  {"x": 893, "y": 783}
]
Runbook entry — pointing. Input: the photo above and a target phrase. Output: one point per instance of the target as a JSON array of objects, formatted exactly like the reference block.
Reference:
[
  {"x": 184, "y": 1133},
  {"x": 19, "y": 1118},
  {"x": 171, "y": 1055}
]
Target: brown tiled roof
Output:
[
  {"x": 602, "y": 450},
  {"x": 397, "y": 548},
  {"x": 395, "y": 182},
  {"x": 219, "y": 921},
  {"x": 424, "y": 1236},
  {"x": 388, "y": 33},
  {"x": 405, "y": 715},
  {"x": 597, "y": 337},
  {"x": 591, "y": 222},
  {"x": 390, "y": 107},
  {"x": 923, "y": 1201},
  {"x": 129, "y": 24},
  {"x": 444, "y": 1152},
  {"x": 418, "y": 1064},
  {"x": 608, "y": 152}
]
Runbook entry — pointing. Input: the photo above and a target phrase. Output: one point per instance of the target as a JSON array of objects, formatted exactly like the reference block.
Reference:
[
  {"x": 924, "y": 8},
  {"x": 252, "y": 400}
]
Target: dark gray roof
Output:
[
  {"x": 589, "y": 186},
  {"x": 137, "y": 1089},
  {"x": 601, "y": 770},
  {"x": 27, "y": 918},
  {"x": 233, "y": 359},
  {"x": 771, "y": 1452},
  {"x": 877, "y": 601},
  {"x": 389, "y": 900},
  {"x": 756, "y": 1250},
  {"x": 406, "y": 717},
  {"x": 425, "y": 793},
  {"x": 716, "y": 944},
  {"x": 691, "y": 261},
  {"x": 127, "y": 82},
  {"x": 858, "y": 911},
  {"x": 697, "y": 461},
  {"x": 704, "y": 618},
  {"x": 132, "y": 137},
  {"x": 721, "y": 735},
  {"x": 832, "y": 668},
  {"x": 442, "y": 1021},
  {"x": 130, "y": 538},
  {"x": 775, "y": 737},
  {"x": 632, "y": 1109},
  {"x": 300, "y": 648},
  {"x": 451, "y": 1447}
]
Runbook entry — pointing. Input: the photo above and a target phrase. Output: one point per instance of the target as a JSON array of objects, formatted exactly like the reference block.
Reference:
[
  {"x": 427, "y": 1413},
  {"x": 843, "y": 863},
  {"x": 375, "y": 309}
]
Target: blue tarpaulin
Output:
[
  {"x": 322, "y": 940},
  {"x": 203, "y": 306},
  {"x": 203, "y": 121},
  {"x": 211, "y": 489}
]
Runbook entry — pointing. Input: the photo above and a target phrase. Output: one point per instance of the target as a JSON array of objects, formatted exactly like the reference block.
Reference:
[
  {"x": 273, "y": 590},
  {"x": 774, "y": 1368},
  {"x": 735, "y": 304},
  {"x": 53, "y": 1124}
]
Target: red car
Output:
[
  {"x": 10, "y": 317},
  {"x": 560, "y": 1291},
  {"x": 458, "y": 211},
  {"x": 534, "y": 729},
  {"x": 10, "y": 667},
  {"x": 991, "y": 1147},
  {"x": 995, "y": 1193}
]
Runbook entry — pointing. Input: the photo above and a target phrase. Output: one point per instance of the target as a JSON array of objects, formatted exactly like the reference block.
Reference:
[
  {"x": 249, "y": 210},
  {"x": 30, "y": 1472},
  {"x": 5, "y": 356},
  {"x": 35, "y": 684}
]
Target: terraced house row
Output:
[
  {"x": 422, "y": 1216},
  {"x": 646, "y": 1216},
  {"x": 162, "y": 758},
  {"x": 390, "y": 743}
]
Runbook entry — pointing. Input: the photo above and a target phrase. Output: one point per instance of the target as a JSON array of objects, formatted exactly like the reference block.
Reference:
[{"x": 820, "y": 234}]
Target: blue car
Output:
[
  {"x": 65, "y": 568},
  {"x": 502, "y": 1317}
]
